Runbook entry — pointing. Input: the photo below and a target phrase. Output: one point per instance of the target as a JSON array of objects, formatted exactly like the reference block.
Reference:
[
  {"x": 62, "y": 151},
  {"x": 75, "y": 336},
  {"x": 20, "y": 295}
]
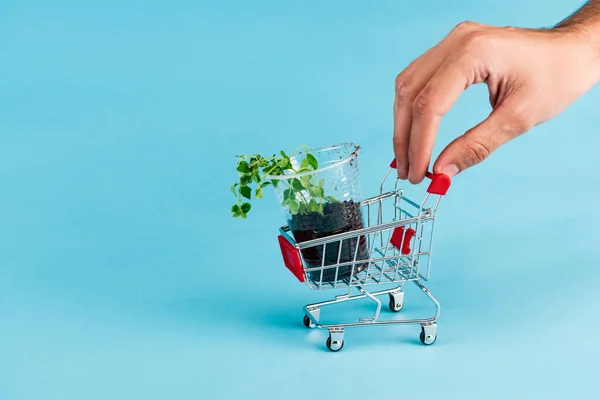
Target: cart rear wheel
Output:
[
  {"x": 307, "y": 322},
  {"x": 427, "y": 340},
  {"x": 335, "y": 345}
]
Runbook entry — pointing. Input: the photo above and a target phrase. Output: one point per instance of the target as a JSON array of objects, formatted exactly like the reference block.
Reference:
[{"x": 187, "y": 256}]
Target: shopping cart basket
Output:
[{"x": 398, "y": 236}]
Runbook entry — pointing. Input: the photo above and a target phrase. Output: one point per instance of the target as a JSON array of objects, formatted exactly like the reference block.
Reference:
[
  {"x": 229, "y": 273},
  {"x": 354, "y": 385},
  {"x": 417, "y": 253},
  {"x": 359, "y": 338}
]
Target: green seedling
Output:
[{"x": 301, "y": 195}]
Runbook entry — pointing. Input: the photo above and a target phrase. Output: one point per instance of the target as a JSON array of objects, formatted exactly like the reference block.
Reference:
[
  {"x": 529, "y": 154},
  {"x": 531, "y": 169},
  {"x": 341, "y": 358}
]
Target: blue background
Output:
[{"x": 123, "y": 276}]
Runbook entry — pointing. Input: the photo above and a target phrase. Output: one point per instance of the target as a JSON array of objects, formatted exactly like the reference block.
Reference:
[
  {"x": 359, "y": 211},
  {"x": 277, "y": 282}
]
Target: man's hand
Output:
[{"x": 532, "y": 75}]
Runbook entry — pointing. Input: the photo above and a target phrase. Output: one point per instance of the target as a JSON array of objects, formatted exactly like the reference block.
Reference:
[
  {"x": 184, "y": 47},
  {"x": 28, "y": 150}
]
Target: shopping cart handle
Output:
[{"x": 439, "y": 185}]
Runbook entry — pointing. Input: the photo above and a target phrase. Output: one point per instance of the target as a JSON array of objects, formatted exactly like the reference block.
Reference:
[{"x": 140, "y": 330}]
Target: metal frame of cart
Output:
[{"x": 399, "y": 238}]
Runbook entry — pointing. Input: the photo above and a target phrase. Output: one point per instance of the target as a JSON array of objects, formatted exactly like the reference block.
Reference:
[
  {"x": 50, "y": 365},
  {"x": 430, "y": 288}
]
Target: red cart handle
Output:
[{"x": 440, "y": 183}]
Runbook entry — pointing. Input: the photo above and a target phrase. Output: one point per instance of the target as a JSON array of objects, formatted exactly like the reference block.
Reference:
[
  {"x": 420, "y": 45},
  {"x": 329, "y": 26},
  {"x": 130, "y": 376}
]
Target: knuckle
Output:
[
  {"x": 400, "y": 78},
  {"x": 520, "y": 122},
  {"x": 404, "y": 90},
  {"x": 398, "y": 141},
  {"x": 475, "y": 41},
  {"x": 421, "y": 104},
  {"x": 465, "y": 26},
  {"x": 477, "y": 151}
]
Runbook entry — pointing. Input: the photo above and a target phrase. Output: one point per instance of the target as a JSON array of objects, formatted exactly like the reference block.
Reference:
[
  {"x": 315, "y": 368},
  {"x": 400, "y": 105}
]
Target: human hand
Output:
[{"x": 532, "y": 75}]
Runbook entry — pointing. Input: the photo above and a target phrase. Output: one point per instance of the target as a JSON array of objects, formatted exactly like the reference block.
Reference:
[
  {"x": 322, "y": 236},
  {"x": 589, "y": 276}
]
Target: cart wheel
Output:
[
  {"x": 335, "y": 346},
  {"x": 429, "y": 339},
  {"x": 394, "y": 306},
  {"x": 307, "y": 322}
]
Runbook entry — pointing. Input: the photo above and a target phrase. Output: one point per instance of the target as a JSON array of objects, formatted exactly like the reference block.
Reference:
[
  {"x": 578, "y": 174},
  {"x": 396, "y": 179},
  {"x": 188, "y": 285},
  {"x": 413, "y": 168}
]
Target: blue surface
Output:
[{"x": 123, "y": 276}]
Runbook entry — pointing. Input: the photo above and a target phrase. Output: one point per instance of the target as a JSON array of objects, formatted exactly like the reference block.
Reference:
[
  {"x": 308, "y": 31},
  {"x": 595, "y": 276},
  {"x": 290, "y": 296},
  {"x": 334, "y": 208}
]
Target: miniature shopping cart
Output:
[{"x": 398, "y": 238}]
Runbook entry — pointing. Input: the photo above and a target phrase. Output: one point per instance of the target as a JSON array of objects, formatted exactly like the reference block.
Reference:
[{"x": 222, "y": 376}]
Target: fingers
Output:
[
  {"x": 411, "y": 82},
  {"x": 408, "y": 85},
  {"x": 503, "y": 124},
  {"x": 402, "y": 122},
  {"x": 428, "y": 88},
  {"x": 435, "y": 100}
]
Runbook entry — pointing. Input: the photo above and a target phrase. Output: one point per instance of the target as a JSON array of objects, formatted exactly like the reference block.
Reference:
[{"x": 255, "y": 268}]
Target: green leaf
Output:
[
  {"x": 244, "y": 216},
  {"x": 314, "y": 206},
  {"x": 245, "y": 179},
  {"x": 262, "y": 162},
  {"x": 259, "y": 193},
  {"x": 256, "y": 177},
  {"x": 267, "y": 170},
  {"x": 316, "y": 192},
  {"x": 302, "y": 209},
  {"x": 312, "y": 161},
  {"x": 246, "y": 207},
  {"x": 283, "y": 154},
  {"x": 235, "y": 208},
  {"x": 304, "y": 164},
  {"x": 243, "y": 167},
  {"x": 293, "y": 206},
  {"x": 321, "y": 183},
  {"x": 246, "y": 192},
  {"x": 234, "y": 190},
  {"x": 284, "y": 164},
  {"x": 306, "y": 181},
  {"x": 288, "y": 194},
  {"x": 265, "y": 184},
  {"x": 276, "y": 171},
  {"x": 297, "y": 185},
  {"x": 236, "y": 214},
  {"x": 275, "y": 182}
]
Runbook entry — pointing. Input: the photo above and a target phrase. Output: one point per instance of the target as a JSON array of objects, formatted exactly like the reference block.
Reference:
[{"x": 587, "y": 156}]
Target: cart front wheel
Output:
[
  {"x": 335, "y": 345},
  {"x": 428, "y": 336},
  {"x": 307, "y": 322}
]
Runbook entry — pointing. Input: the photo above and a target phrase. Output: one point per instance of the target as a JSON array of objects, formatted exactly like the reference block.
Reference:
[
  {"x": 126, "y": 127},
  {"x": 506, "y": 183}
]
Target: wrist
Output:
[
  {"x": 588, "y": 37},
  {"x": 584, "y": 33}
]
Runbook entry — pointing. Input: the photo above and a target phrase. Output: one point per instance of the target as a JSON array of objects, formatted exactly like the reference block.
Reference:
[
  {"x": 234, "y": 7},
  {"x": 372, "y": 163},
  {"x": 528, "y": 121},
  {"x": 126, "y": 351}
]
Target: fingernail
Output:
[
  {"x": 411, "y": 178},
  {"x": 451, "y": 170}
]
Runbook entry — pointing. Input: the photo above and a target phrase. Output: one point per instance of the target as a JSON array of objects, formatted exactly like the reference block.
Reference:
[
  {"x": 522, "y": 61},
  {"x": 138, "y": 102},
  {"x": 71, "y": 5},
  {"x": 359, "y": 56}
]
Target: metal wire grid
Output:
[{"x": 384, "y": 263}]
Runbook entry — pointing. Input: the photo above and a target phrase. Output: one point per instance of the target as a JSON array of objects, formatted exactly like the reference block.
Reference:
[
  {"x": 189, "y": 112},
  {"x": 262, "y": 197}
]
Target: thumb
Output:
[{"x": 502, "y": 125}]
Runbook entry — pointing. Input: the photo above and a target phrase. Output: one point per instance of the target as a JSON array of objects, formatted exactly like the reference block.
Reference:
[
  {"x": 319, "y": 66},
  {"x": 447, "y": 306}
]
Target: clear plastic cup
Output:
[{"x": 322, "y": 203}]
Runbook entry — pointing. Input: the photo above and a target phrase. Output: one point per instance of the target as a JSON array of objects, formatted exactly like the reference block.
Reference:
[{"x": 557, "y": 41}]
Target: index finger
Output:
[{"x": 435, "y": 100}]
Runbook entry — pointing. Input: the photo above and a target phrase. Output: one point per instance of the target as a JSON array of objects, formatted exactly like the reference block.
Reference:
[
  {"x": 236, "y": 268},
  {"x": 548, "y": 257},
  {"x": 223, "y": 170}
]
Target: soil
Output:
[{"x": 336, "y": 218}]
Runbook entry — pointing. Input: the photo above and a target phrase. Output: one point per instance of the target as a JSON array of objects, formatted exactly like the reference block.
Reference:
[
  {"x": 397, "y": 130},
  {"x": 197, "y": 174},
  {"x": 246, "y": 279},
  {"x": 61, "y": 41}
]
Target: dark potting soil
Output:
[{"x": 336, "y": 218}]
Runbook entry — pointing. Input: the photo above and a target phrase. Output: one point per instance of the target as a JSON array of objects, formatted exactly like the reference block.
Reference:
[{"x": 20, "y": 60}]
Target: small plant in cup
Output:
[
  {"x": 305, "y": 189},
  {"x": 301, "y": 195}
]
